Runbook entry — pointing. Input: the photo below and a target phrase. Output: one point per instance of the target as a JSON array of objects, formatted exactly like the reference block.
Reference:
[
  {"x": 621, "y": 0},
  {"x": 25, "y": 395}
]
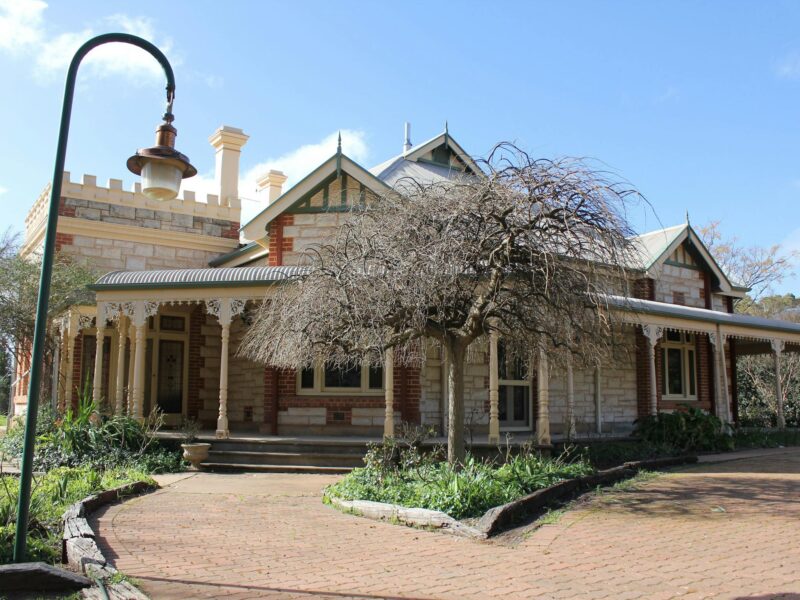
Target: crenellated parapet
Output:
[{"x": 87, "y": 205}]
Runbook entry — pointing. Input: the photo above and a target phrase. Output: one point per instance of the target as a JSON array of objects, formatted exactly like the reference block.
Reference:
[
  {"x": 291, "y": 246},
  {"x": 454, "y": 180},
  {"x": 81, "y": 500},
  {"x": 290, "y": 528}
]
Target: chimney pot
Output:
[{"x": 272, "y": 181}]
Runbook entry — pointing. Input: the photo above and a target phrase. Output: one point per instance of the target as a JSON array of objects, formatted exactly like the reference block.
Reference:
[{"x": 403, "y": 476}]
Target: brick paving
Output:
[{"x": 729, "y": 530}]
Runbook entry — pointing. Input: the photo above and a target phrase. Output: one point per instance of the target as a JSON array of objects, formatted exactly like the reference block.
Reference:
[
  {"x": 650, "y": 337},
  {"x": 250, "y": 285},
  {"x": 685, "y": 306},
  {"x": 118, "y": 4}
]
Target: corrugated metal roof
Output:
[
  {"x": 197, "y": 277},
  {"x": 651, "y": 307},
  {"x": 653, "y": 244}
]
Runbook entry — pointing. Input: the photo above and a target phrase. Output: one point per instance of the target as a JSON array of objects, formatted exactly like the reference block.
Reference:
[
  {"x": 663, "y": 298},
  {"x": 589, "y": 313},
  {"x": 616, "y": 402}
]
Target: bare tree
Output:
[
  {"x": 529, "y": 249},
  {"x": 756, "y": 267}
]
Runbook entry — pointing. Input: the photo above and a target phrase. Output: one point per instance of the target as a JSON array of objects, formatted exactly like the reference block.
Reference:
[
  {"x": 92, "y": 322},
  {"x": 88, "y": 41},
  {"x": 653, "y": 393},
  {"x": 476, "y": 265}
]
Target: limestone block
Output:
[
  {"x": 126, "y": 212},
  {"x": 135, "y": 263}
]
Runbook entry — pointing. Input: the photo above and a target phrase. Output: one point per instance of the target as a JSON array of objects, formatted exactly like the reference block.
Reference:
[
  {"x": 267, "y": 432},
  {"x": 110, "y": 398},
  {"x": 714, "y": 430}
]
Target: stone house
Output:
[{"x": 183, "y": 276}]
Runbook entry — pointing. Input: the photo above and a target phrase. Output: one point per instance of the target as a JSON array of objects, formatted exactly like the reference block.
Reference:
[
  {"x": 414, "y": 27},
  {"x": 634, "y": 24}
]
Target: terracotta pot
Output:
[{"x": 195, "y": 453}]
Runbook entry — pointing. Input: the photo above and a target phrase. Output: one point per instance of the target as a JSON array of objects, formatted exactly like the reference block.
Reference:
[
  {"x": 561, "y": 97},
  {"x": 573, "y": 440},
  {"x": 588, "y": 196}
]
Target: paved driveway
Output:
[{"x": 729, "y": 530}]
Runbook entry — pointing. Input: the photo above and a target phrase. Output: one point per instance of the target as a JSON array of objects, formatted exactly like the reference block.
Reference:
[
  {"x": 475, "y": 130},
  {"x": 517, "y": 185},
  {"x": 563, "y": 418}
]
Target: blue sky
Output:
[{"x": 695, "y": 103}]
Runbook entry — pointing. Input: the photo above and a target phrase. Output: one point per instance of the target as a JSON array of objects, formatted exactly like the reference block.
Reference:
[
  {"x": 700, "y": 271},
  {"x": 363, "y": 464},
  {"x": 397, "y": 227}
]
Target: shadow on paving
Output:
[{"x": 278, "y": 590}]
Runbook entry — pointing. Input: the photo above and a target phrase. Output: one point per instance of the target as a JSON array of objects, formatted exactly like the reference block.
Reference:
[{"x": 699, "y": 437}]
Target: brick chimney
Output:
[
  {"x": 272, "y": 181},
  {"x": 228, "y": 142}
]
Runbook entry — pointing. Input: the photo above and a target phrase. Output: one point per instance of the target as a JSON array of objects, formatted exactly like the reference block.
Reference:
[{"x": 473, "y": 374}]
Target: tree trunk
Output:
[{"x": 455, "y": 354}]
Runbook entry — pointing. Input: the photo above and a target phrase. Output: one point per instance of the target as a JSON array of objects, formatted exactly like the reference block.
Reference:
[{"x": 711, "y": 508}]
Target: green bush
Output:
[
  {"x": 760, "y": 438},
  {"x": 687, "y": 429},
  {"x": 85, "y": 438},
  {"x": 611, "y": 453},
  {"x": 51, "y": 494},
  {"x": 398, "y": 474}
]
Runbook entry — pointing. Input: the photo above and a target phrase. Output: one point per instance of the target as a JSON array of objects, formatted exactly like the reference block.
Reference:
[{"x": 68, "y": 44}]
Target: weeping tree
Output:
[{"x": 528, "y": 249}]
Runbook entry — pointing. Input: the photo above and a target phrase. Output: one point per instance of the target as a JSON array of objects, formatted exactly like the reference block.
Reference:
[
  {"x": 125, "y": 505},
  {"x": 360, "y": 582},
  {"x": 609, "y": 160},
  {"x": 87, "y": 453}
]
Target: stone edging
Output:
[
  {"x": 79, "y": 549},
  {"x": 499, "y": 518}
]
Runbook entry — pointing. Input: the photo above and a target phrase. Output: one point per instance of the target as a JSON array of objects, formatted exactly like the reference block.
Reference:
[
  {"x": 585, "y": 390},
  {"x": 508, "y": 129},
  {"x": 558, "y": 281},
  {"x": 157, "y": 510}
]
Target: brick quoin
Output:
[
  {"x": 64, "y": 239},
  {"x": 232, "y": 233},
  {"x": 196, "y": 318},
  {"x": 278, "y": 244},
  {"x": 643, "y": 288},
  {"x": 77, "y": 383},
  {"x": 63, "y": 209}
]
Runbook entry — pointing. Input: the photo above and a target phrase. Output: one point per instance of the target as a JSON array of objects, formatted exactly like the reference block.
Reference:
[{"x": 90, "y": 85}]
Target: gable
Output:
[
  {"x": 337, "y": 193},
  {"x": 315, "y": 190},
  {"x": 685, "y": 249}
]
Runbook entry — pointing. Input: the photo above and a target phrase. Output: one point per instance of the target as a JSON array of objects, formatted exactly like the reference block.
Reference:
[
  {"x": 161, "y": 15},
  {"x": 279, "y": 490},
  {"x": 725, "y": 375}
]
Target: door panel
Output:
[{"x": 170, "y": 376}]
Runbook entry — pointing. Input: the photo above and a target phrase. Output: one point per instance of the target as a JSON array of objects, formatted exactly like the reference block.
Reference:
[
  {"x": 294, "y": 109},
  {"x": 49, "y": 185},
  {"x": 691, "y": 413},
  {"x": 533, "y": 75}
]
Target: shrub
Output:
[
  {"x": 398, "y": 473},
  {"x": 611, "y": 453},
  {"x": 83, "y": 437},
  {"x": 687, "y": 429},
  {"x": 51, "y": 494}
]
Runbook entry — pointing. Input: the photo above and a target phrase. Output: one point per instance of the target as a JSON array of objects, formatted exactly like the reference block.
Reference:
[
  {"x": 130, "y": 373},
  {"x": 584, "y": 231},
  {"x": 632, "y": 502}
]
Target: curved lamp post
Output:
[{"x": 161, "y": 167}]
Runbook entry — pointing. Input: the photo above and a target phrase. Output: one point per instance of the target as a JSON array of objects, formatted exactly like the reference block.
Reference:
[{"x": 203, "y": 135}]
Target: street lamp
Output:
[{"x": 161, "y": 167}]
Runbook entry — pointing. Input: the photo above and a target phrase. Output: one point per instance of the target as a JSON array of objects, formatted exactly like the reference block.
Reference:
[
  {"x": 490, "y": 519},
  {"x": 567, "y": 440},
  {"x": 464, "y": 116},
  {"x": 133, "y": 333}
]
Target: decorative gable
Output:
[{"x": 337, "y": 193}]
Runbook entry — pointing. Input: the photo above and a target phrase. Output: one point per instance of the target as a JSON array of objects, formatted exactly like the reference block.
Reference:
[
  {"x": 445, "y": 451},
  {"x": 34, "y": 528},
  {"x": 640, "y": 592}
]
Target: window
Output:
[
  {"x": 350, "y": 380},
  {"x": 680, "y": 368},
  {"x": 514, "y": 387}
]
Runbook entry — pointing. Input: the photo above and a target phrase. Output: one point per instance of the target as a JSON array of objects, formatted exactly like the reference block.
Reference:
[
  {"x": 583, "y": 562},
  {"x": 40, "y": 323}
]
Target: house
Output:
[{"x": 183, "y": 277}]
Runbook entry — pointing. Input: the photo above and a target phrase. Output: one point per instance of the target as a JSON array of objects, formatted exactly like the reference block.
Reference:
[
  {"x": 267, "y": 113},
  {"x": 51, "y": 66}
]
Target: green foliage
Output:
[
  {"x": 51, "y": 494},
  {"x": 687, "y": 429},
  {"x": 759, "y": 438},
  {"x": 84, "y": 437},
  {"x": 400, "y": 474},
  {"x": 606, "y": 454}
]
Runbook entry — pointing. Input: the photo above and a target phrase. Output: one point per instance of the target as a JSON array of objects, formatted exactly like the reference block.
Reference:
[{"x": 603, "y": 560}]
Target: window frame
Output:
[
  {"x": 513, "y": 383},
  {"x": 687, "y": 345},
  {"x": 320, "y": 389}
]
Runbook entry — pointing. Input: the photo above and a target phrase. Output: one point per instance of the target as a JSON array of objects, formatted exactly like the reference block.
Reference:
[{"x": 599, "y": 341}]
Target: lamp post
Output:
[{"x": 161, "y": 167}]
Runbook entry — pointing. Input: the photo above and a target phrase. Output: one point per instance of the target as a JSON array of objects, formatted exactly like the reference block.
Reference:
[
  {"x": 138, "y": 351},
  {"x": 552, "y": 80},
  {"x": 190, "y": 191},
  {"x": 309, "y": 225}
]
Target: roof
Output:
[
  {"x": 188, "y": 278},
  {"x": 654, "y": 245},
  {"x": 240, "y": 256},
  {"x": 652, "y": 307},
  {"x": 408, "y": 166}
]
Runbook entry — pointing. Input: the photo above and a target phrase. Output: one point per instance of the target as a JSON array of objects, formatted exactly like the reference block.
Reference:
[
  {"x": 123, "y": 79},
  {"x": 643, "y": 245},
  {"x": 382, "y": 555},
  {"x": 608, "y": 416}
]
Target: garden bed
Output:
[{"x": 500, "y": 517}]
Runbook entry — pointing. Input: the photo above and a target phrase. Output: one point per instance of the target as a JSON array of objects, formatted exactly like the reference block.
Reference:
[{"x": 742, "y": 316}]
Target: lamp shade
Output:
[{"x": 161, "y": 167}]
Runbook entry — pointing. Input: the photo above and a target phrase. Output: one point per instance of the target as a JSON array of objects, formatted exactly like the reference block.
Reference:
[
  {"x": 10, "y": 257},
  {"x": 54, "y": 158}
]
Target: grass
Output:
[
  {"x": 51, "y": 494},
  {"x": 3, "y": 420}
]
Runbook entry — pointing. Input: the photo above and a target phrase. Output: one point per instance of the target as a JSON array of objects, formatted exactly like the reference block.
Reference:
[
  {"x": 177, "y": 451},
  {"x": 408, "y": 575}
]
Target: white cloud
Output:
[
  {"x": 20, "y": 24},
  {"x": 295, "y": 164},
  {"x": 789, "y": 66},
  {"x": 3, "y": 190},
  {"x": 24, "y": 32}
]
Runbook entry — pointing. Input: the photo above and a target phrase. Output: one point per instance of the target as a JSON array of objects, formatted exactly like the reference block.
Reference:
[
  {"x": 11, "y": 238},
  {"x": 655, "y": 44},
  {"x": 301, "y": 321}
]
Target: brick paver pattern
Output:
[{"x": 729, "y": 530}]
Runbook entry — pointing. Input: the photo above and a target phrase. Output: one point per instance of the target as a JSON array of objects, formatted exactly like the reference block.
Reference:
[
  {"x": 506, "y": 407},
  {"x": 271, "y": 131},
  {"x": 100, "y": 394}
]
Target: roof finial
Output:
[
  {"x": 407, "y": 138},
  {"x": 339, "y": 143},
  {"x": 687, "y": 217},
  {"x": 446, "y": 135},
  {"x": 445, "y": 126}
]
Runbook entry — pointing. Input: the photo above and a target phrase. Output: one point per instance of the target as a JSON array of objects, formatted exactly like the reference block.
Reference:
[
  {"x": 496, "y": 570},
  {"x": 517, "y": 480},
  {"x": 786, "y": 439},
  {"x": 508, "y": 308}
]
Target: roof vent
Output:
[{"x": 407, "y": 138}]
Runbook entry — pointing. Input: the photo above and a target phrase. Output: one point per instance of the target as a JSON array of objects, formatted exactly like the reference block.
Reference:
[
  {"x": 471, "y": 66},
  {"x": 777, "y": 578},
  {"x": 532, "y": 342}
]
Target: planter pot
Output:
[{"x": 195, "y": 453}]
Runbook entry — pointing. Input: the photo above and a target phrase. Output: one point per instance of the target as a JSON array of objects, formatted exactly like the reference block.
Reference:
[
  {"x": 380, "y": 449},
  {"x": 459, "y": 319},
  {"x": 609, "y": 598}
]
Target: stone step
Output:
[
  {"x": 234, "y": 467},
  {"x": 303, "y": 458}
]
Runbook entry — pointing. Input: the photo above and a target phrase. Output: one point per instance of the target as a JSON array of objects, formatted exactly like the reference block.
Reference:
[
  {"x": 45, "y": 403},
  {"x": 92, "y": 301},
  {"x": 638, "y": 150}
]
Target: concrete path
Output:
[{"x": 715, "y": 530}]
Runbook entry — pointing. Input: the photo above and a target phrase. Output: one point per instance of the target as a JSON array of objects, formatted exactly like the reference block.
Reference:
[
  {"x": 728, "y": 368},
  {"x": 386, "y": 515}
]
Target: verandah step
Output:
[
  {"x": 214, "y": 466},
  {"x": 318, "y": 459}
]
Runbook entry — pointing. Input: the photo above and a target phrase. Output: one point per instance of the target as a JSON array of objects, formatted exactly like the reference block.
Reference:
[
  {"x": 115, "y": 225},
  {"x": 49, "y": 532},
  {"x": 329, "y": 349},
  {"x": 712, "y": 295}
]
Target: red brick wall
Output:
[
  {"x": 407, "y": 396},
  {"x": 278, "y": 244}
]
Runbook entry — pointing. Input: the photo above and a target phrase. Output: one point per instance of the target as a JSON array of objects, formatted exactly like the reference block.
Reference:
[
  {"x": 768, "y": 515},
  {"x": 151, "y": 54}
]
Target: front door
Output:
[{"x": 169, "y": 396}]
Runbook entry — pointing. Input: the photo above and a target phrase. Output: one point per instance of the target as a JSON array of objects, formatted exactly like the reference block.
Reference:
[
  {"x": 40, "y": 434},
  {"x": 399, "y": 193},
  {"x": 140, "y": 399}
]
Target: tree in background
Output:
[
  {"x": 760, "y": 269},
  {"x": 19, "y": 287},
  {"x": 528, "y": 251}
]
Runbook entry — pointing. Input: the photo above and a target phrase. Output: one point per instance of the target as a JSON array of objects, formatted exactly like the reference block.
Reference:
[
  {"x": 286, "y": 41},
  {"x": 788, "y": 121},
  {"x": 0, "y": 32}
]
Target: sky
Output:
[{"x": 696, "y": 104}]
